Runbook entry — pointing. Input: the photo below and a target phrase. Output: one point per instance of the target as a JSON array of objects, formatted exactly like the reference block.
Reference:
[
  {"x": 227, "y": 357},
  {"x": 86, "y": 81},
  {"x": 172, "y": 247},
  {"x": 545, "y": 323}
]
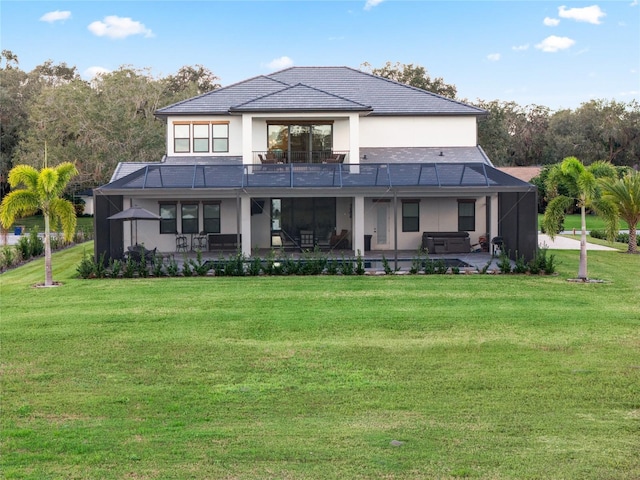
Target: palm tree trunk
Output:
[
  {"x": 48, "y": 272},
  {"x": 582, "y": 269},
  {"x": 633, "y": 239}
]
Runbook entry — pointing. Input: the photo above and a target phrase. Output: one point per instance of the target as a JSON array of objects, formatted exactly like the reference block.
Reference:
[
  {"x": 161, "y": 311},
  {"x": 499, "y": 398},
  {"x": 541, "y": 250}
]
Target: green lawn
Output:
[
  {"x": 479, "y": 376},
  {"x": 593, "y": 222}
]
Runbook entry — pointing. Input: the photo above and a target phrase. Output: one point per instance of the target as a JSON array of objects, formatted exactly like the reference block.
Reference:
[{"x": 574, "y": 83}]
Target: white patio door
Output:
[{"x": 382, "y": 224}]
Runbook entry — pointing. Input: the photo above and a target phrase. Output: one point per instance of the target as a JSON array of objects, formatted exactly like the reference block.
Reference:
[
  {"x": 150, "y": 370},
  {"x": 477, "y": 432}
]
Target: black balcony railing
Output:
[{"x": 314, "y": 156}]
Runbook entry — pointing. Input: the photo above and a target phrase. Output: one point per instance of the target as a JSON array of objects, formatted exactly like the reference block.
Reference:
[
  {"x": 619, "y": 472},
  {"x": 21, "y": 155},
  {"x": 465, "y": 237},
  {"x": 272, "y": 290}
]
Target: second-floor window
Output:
[
  {"x": 181, "y": 135},
  {"x": 200, "y": 137}
]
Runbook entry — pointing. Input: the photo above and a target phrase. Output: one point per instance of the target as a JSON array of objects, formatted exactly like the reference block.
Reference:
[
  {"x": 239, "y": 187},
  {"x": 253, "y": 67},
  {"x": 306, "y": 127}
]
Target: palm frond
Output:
[
  {"x": 23, "y": 175},
  {"x": 64, "y": 212},
  {"x": 554, "y": 214},
  {"x": 18, "y": 203}
]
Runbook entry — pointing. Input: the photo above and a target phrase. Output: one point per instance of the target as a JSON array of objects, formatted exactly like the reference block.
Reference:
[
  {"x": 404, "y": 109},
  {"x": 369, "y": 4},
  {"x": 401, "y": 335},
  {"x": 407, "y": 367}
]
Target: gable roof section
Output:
[
  {"x": 320, "y": 88},
  {"x": 221, "y": 100},
  {"x": 300, "y": 98}
]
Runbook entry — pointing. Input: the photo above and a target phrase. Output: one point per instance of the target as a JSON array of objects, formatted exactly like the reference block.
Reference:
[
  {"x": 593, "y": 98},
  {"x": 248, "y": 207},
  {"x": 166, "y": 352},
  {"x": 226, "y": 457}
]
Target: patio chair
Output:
[
  {"x": 181, "y": 243},
  {"x": 306, "y": 239}
]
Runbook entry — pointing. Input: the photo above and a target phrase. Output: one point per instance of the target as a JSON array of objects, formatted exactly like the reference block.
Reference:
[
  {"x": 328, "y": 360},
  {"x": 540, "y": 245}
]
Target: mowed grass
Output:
[
  {"x": 479, "y": 376},
  {"x": 574, "y": 222}
]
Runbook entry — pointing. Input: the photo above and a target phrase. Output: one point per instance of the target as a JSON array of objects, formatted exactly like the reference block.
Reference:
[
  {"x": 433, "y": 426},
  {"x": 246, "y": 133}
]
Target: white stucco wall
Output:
[
  {"x": 436, "y": 215},
  {"x": 436, "y": 131}
]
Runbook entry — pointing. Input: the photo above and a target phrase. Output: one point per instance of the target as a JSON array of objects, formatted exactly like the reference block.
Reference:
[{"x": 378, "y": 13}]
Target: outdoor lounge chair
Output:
[{"x": 137, "y": 252}]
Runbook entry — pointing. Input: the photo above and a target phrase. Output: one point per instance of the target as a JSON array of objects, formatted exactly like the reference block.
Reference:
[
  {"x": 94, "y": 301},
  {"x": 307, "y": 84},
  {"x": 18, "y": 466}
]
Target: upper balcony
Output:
[{"x": 307, "y": 156}]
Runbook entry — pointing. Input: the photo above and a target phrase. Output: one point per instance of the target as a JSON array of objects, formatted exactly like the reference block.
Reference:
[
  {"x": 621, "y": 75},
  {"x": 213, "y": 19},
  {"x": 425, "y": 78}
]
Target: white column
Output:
[
  {"x": 245, "y": 223},
  {"x": 358, "y": 224},
  {"x": 354, "y": 138},
  {"x": 247, "y": 145}
]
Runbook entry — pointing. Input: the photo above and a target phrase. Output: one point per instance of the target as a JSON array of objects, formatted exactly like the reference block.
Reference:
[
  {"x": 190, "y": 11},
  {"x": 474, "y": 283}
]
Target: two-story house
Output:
[{"x": 317, "y": 156}]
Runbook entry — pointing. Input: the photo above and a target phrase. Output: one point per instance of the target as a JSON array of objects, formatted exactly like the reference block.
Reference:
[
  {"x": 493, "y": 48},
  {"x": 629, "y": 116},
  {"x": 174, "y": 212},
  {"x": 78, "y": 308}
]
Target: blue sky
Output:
[{"x": 554, "y": 53}]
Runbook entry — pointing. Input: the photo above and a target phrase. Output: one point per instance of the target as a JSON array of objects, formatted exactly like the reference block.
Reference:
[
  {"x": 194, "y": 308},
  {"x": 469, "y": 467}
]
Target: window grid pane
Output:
[
  {"x": 411, "y": 217},
  {"x": 220, "y": 145},
  {"x": 189, "y": 218},
  {"x": 200, "y": 144},
  {"x": 168, "y": 222},
  {"x": 466, "y": 216},
  {"x": 181, "y": 145},
  {"x": 211, "y": 218}
]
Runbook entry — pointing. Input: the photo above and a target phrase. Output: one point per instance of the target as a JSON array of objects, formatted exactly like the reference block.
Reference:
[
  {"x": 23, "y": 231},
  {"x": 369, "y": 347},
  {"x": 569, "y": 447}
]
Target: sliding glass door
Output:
[{"x": 300, "y": 143}]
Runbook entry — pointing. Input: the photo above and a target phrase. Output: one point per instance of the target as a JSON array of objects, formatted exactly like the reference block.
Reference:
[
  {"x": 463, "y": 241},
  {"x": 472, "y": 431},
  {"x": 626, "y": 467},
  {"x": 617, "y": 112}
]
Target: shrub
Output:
[
  {"x": 23, "y": 248},
  {"x": 158, "y": 266},
  {"x": 36, "y": 245},
  {"x": 385, "y": 266},
  {"x": 359, "y": 264},
  {"x": 187, "y": 271},
  {"x": 418, "y": 261},
  {"x": 8, "y": 256},
  {"x": 346, "y": 266},
  {"x": 429, "y": 267},
  {"x": 621, "y": 237},
  {"x": 332, "y": 266},
  {"x": 129, "y": 268},
  {"x": 550, "y": 264},
  {"x": 200, "y": 267},
  {"x": 290, "y": 266},
  {"x": 504, "y": 263},
  {"x": 172, "y": 267},
  {"x": 255, "y": 266},
  {"x": 521, "y": 265},
  {"x": 440, "y": 266},
  {"x": 143, "y": 269},
  {"x": 115, "y": 268},
  {"x": 99, "y": 267},
  {"x": 86, "y": 266}
]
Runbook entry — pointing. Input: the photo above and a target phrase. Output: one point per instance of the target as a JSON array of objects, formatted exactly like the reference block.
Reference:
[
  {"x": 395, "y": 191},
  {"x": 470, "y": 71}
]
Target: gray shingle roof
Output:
[
  {"x": 299, "y": 98},
  {"x": 321, "y": 88}
]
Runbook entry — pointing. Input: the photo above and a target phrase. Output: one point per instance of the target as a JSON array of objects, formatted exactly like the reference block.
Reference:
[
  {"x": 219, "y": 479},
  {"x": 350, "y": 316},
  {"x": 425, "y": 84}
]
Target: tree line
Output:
[{"x": 96, "y": 124}]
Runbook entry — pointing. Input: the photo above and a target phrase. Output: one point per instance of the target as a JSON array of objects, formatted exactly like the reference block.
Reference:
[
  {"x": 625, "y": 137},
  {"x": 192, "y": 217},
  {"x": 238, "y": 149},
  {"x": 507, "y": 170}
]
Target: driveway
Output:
[{"x": 564, "y": 243}]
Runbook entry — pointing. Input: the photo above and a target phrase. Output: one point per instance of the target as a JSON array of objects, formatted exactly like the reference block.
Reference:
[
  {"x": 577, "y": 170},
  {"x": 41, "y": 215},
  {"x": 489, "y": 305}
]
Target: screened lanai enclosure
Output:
[{"x": 353, "y": 207}]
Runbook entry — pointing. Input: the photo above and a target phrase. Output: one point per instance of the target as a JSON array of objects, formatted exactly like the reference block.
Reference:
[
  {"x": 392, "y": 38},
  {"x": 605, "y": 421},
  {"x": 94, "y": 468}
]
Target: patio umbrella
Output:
[{"x": 134, "y": 214}]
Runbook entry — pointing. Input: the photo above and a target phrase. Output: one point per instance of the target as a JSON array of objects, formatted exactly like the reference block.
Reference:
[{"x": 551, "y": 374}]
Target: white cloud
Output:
[
  {"x": 280, "y": 63},
  {"x": 55, "y": 16},
  {"x": 118, "y": 27},
  {"x": 634, "y": 3},
  {"x": 493, "y": 57},
  {"x": 520, "y": 48},
  {"x": 554, "y": 44},
  {"x": 551, "y": 22},
  {"x": 92, "y": 72},
  {"x": 590, "y": 14},
  {"x": 372, "y": 3}
]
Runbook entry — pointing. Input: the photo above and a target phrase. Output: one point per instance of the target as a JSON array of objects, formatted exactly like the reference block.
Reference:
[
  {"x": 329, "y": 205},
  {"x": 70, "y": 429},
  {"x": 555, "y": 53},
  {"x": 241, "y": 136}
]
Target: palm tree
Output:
[
  {"x": 42, "y": 191},
  {"x": 582, "y": 186},
  {"x": 624, "y": 194}
]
